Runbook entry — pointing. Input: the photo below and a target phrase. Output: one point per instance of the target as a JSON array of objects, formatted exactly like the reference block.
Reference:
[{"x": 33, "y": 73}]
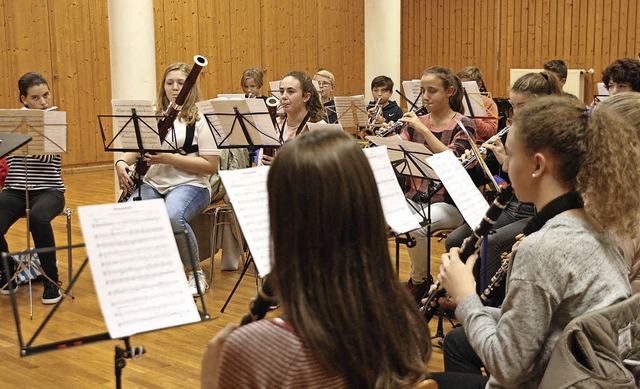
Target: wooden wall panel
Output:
[
  {"x": 68, "y": 42},
  {"x": 275, "y": 35},
  {"x": 81, "y": 76},
  {"x": 497, "y": 35},
  {"x": 27, "y": 44}
]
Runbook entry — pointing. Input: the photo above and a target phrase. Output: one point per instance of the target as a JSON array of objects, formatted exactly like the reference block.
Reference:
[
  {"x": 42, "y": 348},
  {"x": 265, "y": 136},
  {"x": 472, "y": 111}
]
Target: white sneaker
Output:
[{"x": 202, "y": 279}]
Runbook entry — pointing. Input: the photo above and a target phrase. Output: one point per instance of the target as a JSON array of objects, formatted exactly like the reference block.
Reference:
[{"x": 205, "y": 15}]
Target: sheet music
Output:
[
  {"x": 602, "y": 89},
  {"x": 475, "y": 97},
  {"x": 414, "y": 166},
  {"x": 127, "y": 137},
  {"x": 48, "y": 129},
  {"x": 411, "y": 90},
  {"x": 324, "y": 126},
  {"x": 228, "y": 131},
  {"x": 459, "y": 185},
  {"x": 247, "y": 190},
  {"x": 231, "y": 95},
  {"x": 136, "y": 267},
  {"x": 274, "y": 88},
  {"x": 351, "y": 111},
  {"x": 394, "y": 205}
]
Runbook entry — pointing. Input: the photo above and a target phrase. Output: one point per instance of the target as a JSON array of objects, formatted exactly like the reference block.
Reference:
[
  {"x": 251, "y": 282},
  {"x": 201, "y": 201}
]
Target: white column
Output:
[
  {"x": 133, "y": 49},
  {"x": 382, "y": 43},
  {"x": 133, "y": 53}
]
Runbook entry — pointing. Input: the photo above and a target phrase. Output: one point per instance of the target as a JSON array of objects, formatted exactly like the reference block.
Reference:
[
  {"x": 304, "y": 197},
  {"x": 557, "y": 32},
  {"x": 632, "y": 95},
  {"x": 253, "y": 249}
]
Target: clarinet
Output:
[
  {"x": 497, "y": 278},
  {"x": 264, "y": 302},
  {"x": 470, "y": 246},
  {"x": 397, "y": 127}
]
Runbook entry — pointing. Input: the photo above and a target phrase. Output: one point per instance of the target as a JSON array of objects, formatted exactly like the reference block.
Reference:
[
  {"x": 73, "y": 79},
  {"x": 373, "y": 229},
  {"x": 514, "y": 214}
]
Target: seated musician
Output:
[
  {"x": 301, "y": 104},
  {"x": 486, "y": 127},
  {"x": 569, "y": 262},
  {"x": 517, "y": 214},
  {"x": 627, "y": 105},
  {"x": 326, "y": 81},
  {"x": 439, "y": 131},
  {"x": 251, "y": 83},
  {"x": 337, "y": 330},
  {"x": 45, "y": 195},
  {"x": 181, "y": 180}
]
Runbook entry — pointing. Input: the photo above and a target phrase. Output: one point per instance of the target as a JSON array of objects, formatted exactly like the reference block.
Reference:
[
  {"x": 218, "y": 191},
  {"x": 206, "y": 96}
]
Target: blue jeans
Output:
[{"x": 183, "y": 203}]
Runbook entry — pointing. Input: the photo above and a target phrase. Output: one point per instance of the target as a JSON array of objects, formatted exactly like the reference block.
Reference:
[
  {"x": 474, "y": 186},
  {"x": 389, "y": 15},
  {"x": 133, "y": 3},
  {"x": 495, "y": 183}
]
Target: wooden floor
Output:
[{"x": 173, "y": 356}]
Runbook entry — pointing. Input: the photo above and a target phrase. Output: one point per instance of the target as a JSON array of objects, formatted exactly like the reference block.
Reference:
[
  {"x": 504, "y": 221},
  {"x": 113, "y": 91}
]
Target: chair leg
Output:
[{"x": 69, "y": 251}]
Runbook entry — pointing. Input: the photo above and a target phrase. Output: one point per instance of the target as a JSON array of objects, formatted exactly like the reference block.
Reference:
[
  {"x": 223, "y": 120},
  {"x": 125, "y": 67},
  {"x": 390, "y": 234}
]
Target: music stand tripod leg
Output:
[{"x": 244, "y": 270}]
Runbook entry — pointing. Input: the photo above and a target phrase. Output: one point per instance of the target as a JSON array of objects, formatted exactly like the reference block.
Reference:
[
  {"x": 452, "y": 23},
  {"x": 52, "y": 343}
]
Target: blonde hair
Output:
[
  {"x": 594, "y": 151},
  {"x": 627, "y": 105},
  {"x": 327, "y": 74},
  {"x": 189, "y": 112},
  {"x": 537, "y": 84},
  {"x": 255, "y": 73}
]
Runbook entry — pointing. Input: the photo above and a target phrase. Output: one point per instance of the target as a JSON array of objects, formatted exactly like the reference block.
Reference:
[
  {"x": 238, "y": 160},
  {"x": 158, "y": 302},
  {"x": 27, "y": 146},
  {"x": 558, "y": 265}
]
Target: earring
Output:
[{"x": 533, "y": 175}]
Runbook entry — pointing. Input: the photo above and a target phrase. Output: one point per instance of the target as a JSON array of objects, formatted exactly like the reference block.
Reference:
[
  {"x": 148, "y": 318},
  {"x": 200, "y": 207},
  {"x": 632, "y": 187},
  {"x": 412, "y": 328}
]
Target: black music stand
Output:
[
  {"x": 121, "y": 354},
  {"x": 408, "y": 160},
  {"x": 10, "y": 142},
  {"x": 239, "y": 124},
  {"x": 135, "y": 135}
]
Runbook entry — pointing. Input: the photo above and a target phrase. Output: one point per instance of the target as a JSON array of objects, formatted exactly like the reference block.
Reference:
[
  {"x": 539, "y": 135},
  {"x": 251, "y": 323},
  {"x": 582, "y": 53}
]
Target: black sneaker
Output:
[
  {"x": 4, "y": 284},
  {"x": 51, "y": 294}
]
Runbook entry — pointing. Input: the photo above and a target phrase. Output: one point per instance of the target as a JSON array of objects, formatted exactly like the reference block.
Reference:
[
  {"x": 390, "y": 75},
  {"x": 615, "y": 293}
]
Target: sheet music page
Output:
[
  {"x": 266, "y": 132},
  {"x": 231, "y": 95},
  {"x": 274, "y": 88},
  {"x": 456, "y": 180},
  {"x": 351, "y": 110},
  {"x": 230, "y": 130},
  {"x": 394, "y": 205},
  {"x": 55, "y": 132},
  {"x": 48, "y": 132},
  {"x": 475, "y": 97},
  {"x": 149, "y": 131},
  {"x": 247, "y": 190},
  {"x": 414, "y": 166},
  {"x": 136, "y": 267},
  {"x": 412, "y": 91},
  {"x": 324, "y": 126}
]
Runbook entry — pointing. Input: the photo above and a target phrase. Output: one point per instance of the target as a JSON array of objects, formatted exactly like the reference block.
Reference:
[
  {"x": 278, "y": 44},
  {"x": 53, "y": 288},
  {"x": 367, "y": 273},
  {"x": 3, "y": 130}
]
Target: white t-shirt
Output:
[{"x": 164, "y": 177}]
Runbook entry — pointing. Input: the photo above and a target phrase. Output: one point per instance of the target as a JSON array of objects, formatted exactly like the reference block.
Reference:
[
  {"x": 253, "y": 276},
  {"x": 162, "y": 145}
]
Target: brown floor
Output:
[{"x": 172, "y": 358}]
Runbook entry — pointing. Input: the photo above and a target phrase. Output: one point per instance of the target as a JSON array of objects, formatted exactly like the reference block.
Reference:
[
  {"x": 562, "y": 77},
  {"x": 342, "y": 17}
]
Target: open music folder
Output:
[
  {"x": 351, "y": 111},
  {"x": 247, "y": 190},
  {"x": 48, "y": 129}
]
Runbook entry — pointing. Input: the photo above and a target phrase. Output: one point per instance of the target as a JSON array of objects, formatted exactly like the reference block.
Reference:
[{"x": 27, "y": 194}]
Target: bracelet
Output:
[{"x": 120, "y": 160}]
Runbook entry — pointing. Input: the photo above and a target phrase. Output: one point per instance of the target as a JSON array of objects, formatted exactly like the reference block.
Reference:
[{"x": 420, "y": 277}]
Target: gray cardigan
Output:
[{"x": 560, "y": 272}]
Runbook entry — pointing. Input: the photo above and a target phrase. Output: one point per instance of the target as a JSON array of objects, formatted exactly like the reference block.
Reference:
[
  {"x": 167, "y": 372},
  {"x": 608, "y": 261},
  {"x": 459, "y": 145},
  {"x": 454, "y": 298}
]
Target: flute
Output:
[{"x": 470, "y": 246}]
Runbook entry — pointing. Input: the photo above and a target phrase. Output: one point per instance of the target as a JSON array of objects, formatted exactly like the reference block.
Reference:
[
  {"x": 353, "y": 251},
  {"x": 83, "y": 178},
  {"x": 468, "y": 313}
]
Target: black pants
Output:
[
  {"x": 44, "y": 205},
  {"x": 462, "y": 365}
]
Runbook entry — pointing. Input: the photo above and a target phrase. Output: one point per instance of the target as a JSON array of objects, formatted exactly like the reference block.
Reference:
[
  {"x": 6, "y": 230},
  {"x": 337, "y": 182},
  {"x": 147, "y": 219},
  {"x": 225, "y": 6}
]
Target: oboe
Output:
[
  {"x": 264, "y": 302},
  {"x": 470, "y": 246}
]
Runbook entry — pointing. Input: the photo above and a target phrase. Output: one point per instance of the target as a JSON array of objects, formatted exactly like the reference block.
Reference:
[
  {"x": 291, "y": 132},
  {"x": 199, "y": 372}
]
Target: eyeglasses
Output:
[
  {"x": 516, "y": 105},
  {"x": 322, "y": 84}
]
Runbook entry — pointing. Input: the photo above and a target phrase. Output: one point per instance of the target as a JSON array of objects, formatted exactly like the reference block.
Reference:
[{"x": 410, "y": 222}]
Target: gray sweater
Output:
[{"x": 560, "y": 272}]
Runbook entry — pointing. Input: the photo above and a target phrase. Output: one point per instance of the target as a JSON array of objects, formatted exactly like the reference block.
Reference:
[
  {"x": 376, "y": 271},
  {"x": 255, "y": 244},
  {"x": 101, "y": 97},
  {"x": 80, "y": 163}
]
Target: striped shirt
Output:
[
  {"x": 269, "y": 354},
  {"x": 42, "y": 172}
]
